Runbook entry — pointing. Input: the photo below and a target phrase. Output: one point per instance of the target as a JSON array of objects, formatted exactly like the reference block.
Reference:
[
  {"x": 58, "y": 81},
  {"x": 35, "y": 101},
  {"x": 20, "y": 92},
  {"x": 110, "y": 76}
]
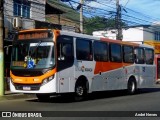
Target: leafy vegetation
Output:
[{"x": 99, "y": 23}]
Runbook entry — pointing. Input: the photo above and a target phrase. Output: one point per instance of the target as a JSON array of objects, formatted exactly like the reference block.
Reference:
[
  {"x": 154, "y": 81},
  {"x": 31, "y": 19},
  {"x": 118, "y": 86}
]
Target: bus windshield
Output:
[{"x": 38, "y": 55}]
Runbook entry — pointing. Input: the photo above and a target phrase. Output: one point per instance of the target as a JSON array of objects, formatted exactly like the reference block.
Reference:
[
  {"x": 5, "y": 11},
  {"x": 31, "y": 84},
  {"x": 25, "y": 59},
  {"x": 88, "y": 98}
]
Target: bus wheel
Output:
[
  {"x": 80, "y": 92},
  {"x": 132, "y": 87},
  {"x": 43, "y": 97}
]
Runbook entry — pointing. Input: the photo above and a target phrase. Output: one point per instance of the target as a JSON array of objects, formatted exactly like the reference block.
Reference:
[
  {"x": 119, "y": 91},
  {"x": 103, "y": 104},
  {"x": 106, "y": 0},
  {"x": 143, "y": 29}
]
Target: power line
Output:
[
  {"x": 87, "y": 6},
  {"x": 126, "y": 3},
  {"x": 134, "y": 18},
  {"x": 137, "y": 18},
  {"x": 118, "y": 21},
  {"x": 132, "y": 10}
]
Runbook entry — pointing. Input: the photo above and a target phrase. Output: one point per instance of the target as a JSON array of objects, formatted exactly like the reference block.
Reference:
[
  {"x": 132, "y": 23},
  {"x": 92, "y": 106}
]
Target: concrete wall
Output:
[
  {"x": 8, "y": 14},
  {"x": 37, "y": 12},
  {"x": 8, "y": 7},
  {"x": 108, "y": 34},
  {"x": 136, "y": 34},
  {"x": 133, "y": 34},
  {"x": 148, "y": 34},
  {"x": 28, "y": 23}
]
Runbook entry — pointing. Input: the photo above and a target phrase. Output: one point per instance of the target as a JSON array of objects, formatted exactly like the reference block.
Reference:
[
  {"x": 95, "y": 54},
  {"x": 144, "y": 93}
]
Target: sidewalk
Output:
[
  {"x": 11, "y": 96},
  {"x": 8, "y": 95}
]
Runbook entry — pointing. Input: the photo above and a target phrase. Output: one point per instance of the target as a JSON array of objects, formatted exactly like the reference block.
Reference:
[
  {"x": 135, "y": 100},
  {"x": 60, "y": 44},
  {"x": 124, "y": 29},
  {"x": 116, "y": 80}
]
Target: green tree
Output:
[{"x": 99, "y": 23}]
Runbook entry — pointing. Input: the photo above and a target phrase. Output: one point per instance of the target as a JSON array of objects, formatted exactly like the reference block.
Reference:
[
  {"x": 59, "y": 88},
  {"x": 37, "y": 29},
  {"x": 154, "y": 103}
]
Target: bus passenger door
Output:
[{"x": 65, "y": 63}]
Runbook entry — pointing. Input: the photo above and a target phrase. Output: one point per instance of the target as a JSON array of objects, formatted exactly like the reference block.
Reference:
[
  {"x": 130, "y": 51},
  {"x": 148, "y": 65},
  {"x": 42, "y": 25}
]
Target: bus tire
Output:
[
  {"x": 43, "y": 97},
  {"x": 80, "y": 91},
  {"x": 132, "y": 86}
]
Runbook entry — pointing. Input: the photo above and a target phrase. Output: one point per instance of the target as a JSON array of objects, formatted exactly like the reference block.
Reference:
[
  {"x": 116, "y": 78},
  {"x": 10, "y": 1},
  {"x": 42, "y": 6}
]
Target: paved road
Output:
[{"x": 146, "y": 100}]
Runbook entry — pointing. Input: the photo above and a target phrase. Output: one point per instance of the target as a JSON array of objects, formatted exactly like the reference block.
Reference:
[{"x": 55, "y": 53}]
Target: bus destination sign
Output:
[{"x": 33, "y": 35}]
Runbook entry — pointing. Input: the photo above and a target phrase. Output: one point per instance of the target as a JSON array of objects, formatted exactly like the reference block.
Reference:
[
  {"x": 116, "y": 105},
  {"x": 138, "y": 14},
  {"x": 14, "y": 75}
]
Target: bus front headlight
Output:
[{"x": 46, "y": 80}]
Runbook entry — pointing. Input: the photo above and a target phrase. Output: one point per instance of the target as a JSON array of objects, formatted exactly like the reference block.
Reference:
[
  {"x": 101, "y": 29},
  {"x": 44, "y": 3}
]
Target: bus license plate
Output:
[{"x": 26, "y": 88}]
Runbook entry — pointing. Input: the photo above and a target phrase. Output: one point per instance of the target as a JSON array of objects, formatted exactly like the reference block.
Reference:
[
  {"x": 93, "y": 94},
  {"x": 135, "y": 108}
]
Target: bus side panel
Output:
[
  {"x": 97, "y": 82},
  {"x": 150, "y": 75},
  {"x": 86, "y": 69},
  {"x": 116, "y": 79},
  {"x": 65, "y": 64},
  {"x": 109, "y": 80},
  {"x": 114, "y": 76},
  {"x": 146, "y": 75},
  {"x": 65, "y": 79}
]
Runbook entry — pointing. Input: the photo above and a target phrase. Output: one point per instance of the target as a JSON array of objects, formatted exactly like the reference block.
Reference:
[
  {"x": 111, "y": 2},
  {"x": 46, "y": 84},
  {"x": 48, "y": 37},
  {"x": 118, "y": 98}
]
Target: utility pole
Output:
[
  {"x": 1, "y": 50},
  {"x": 81, "y": 16},
  {"x": 118, "y": 21}
]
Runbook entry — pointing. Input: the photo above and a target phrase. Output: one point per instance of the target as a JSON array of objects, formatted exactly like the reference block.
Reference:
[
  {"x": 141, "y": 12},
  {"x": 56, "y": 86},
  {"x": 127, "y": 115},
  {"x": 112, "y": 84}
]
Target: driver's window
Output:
[
  {"x": 65, "y": 54},
  {"x": 65, "y": 51}
]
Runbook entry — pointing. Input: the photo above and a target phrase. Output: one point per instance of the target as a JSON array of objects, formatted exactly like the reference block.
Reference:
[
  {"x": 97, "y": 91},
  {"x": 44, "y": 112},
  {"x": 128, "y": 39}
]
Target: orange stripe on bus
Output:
[{"x": 108, "y": 66}]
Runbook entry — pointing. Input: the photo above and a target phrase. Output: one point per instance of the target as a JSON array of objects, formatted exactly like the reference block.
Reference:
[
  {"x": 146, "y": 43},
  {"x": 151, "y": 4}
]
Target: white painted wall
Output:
[
  {"x": 137, "y": 34},
  {"x": 133, "y": 34},
  {"x": 107, "y": 34}
]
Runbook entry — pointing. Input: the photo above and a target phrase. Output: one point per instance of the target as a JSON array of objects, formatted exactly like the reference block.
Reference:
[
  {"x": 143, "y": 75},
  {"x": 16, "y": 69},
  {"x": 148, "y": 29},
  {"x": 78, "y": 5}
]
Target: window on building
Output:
[
  {"x": 21, "y": 8},
  {"x": 128, "y": 54},
  {"x": 157, "y": 35},
  {"x": 84, "y": 49},
  {"x": 100, "y": 51},
  {"x": 115, "y": 53},
  {"x": 149, "y": 54}
]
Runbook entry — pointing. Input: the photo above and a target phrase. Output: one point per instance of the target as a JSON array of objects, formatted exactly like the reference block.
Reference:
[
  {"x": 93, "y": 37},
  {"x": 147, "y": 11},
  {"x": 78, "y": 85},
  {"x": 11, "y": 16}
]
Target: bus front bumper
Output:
[{"x": 49, "y": 87}]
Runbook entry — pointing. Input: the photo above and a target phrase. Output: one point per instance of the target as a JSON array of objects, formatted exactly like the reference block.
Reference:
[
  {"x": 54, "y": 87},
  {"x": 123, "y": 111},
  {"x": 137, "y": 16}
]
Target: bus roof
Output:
[
  {"x": 32, "y": 30},
  {"x": 96, "y": 38},
  {"x": 78, "y": 35},
  {"x": 62, "y": 32}
]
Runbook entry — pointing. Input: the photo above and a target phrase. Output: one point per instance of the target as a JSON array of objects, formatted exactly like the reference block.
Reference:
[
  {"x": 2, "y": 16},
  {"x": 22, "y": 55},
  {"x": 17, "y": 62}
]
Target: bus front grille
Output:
[{"x": 27, "y": 87}]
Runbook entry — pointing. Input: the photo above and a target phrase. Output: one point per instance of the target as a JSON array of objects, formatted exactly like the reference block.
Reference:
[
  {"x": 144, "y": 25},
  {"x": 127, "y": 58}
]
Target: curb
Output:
[{"x": 13, "y": 96}]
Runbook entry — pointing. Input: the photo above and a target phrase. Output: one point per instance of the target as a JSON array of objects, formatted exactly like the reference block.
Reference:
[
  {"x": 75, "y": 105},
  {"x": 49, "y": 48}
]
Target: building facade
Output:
[
  {"x": 137, "y": 34},
  {"x": 21, "y": 14}
]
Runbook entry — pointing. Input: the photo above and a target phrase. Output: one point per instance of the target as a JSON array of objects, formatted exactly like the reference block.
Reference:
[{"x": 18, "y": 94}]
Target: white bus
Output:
[{"x": 47, "y": 62}]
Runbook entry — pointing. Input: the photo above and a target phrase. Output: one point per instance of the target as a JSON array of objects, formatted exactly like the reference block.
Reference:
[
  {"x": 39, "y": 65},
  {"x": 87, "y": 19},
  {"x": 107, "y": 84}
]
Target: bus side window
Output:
[
  {"x": 128, "y": 56},
  {"x": 84, "y": 49},
  {"x": 115, "y": 52},
  {"x": 149, "y": 53},
  {"x": 139, "y": 55},
  {"x": 65, "y": 51},
  {"x": 100, "y": 51}
]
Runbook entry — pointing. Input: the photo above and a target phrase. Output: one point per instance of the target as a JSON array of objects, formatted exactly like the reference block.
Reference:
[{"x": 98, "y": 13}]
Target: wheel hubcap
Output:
[
  {"x": 79, "y": 91},
  {"x": 132, "y": 87}
]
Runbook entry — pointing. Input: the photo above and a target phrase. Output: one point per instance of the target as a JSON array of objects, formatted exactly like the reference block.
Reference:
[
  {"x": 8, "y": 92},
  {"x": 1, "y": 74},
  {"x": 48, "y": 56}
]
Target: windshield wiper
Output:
[{"x": 39, "y": 43}]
